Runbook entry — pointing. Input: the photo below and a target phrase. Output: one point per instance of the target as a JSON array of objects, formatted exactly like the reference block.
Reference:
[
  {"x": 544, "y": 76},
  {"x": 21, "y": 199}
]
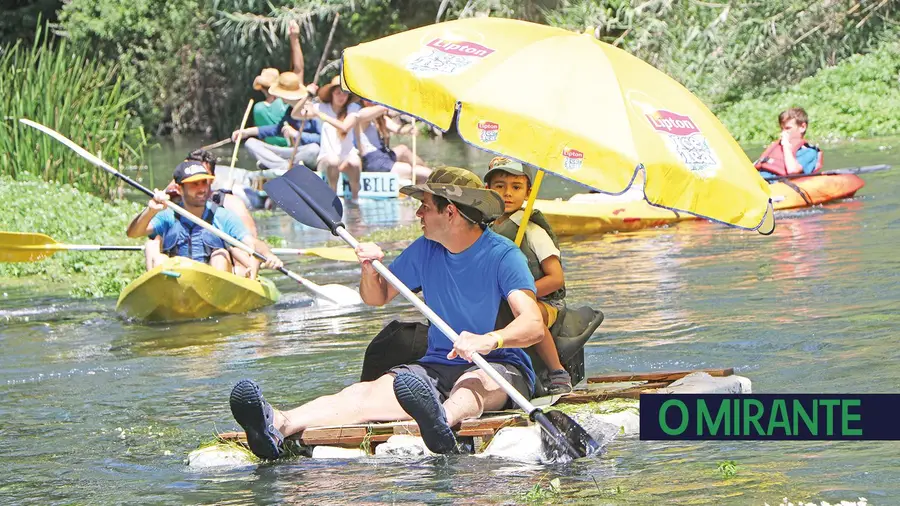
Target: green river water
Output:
[{"x": 98, "y": 410}]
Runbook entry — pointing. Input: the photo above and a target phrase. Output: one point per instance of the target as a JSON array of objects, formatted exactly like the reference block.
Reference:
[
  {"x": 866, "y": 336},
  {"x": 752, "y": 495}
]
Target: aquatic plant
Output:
[
  {"x": 61, "y": 87},
  {"x": 727, "y": 469},
  {"x": 69, "y": 215}
]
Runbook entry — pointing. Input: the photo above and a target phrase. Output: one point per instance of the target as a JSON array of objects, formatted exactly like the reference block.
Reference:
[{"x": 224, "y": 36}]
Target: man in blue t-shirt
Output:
[
  {"x": 464, "y": 271},
  {"x": 181, "y": 237}
]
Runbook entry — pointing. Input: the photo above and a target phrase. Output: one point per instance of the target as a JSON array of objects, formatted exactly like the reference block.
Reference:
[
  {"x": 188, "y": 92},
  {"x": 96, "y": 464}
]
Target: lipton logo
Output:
[
  {"x": 668, "y": 121},
  {"x": 488, "y": 131},
  {"x": 460, "y": 48},
  {"x": 572, "y": 159}
]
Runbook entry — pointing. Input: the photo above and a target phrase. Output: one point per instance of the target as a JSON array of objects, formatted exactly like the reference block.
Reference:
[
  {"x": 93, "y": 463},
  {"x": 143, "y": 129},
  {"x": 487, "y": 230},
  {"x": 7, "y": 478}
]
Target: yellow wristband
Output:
[
  {"x": 499, "y": 339},
  {"x": 322, "y": 116}
]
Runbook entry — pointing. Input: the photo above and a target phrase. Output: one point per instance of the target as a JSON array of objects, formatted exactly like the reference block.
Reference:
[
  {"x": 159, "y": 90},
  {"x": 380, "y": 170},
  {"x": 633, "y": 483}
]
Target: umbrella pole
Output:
[
  {"x": 414, "y": 132},
  {"x": 529, "y": 207}
]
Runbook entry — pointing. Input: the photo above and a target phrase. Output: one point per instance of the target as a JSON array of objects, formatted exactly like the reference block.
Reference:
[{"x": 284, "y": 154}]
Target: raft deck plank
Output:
[
  {"x": 355, "y": 435},
  {"x": 656, "y": 376}
]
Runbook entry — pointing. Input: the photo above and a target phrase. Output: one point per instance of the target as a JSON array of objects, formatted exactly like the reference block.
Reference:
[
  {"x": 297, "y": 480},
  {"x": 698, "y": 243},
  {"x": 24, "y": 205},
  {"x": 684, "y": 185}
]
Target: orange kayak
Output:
[{"x": 570, "y": 218}]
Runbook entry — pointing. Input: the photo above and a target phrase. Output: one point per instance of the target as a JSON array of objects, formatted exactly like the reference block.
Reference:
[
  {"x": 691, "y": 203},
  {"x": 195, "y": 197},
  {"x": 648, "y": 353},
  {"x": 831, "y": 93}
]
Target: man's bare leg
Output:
[
  {"x": 153, "y": 254},
  {"x": 220, "y": 259},
  {"x": 370, "y": 401},
  {"x": 473, "y": 394}
]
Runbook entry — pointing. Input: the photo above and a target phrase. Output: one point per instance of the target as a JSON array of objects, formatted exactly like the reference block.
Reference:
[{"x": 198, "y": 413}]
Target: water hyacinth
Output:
[{"x": 66, "y": 90}]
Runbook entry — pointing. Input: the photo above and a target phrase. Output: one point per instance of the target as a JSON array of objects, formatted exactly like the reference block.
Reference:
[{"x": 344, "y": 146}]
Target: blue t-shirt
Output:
[
  {"x": 224, "y": 220},
  {"x": 465, "y": 289}
]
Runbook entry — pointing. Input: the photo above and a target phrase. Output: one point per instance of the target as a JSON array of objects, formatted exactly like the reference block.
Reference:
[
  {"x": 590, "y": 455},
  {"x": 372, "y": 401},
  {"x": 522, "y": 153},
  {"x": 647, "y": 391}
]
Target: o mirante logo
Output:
[{"x": 769, "y": 417}]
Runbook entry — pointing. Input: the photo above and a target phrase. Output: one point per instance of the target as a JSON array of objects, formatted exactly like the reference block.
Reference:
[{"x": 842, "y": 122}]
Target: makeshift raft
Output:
[{"x": 599, "y": 389}]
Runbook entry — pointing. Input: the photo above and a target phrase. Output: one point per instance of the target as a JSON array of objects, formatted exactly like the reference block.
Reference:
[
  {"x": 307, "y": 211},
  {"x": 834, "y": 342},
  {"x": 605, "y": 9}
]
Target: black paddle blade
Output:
[
  {"x": 307, "y": 198},
  {"x": 562, "y": 438}
]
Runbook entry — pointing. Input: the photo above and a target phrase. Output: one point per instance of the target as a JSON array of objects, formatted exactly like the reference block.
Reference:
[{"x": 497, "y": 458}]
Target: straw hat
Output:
[
  {"x": 325, "y": 91},
  {"x": 265, "y": 79},
  {"x": 288, "y": 87}
]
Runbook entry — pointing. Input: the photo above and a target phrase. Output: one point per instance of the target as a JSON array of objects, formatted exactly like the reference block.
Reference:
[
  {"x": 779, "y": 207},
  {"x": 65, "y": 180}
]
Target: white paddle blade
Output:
[{"x": 339, "y": 295}]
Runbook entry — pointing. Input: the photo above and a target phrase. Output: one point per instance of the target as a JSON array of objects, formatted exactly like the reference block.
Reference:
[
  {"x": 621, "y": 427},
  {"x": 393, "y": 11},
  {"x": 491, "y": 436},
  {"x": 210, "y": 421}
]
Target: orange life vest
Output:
[{"x": 772, "y": 159}]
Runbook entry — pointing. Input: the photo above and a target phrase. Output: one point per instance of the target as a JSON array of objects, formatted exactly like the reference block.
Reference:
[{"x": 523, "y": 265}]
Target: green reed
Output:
[{"x": 83, "y": 99}]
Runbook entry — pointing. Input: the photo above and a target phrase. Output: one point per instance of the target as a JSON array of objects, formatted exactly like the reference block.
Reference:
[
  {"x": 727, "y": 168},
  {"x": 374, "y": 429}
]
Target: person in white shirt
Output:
[{"x": 339, "y": 112}]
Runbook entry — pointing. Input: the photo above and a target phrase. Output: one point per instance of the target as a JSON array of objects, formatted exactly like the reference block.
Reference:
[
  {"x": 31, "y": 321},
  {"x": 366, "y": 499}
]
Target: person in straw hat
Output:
[
  {"x": 465, "y": 272},
  {"x": 271, "y": 117},
  {"x": 289, "y": 88},
  {"x": 271, "y": 110},
  {"x": 339, "y": 113}
]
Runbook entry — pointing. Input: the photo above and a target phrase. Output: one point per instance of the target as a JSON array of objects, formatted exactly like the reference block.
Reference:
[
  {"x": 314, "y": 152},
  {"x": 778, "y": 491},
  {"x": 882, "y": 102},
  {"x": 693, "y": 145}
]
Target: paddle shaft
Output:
[
  {"x": 514, "y": 394},
  {"x": 237, "y": 143},
  {"x": 337, "y": 16},
  {"x": 174, "y": 207},
  {"x": 77, "y": 247},
  {"x": 837, "y": 172}
]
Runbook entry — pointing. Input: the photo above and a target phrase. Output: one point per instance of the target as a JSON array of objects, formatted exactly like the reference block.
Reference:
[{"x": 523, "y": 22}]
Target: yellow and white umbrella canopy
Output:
[{"x": 568, "y": 104}]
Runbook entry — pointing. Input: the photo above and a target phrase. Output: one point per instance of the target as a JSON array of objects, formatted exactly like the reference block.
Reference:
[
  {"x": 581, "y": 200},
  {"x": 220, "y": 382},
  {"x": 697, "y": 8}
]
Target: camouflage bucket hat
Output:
[{"x": 459, "y": 186}]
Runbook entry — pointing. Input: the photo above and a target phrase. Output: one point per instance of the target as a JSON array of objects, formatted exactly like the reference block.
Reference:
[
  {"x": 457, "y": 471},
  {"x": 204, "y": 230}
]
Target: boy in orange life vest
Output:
[
  {"x": 541, "y": 248},
  {"x": 791, "y": 154}
]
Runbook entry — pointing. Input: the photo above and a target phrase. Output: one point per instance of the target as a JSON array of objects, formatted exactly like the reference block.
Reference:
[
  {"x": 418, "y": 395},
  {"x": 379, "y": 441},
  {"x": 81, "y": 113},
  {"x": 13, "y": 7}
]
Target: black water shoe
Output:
[
  {"x": 417, "y": 398},
  {"x": 257, "y": 418}
]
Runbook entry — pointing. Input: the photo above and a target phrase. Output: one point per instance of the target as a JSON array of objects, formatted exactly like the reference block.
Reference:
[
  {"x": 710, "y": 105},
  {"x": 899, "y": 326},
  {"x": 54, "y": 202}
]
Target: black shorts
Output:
[
  {"x": 379, "y": 161},
  {"x": 443, "y": 377}
]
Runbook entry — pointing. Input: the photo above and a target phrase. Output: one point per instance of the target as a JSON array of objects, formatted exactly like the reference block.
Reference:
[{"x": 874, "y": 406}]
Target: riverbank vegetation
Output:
[
  {"x": 190, "y": 63},
  {"x": 65, "y": 88},
  {"x": 69, "y": 215},
  {"x": 857, "y": 98}
]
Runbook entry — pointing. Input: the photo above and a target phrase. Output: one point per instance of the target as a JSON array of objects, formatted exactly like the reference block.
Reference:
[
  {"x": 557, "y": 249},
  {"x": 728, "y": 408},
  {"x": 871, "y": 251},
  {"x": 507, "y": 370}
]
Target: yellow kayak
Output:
[{"x": 182, "y": 289}]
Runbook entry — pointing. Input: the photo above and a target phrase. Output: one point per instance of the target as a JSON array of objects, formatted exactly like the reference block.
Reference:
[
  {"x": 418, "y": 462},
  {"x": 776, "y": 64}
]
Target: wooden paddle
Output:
[
  {"x": 237, "y": 143},
  {"x": 31, "y": 247},
  {"x": 848, "y": 170},
  {"x": 217, "y": 144},
  {"x": 338, "y": 294},
  {"x": 309, "y": 200}
]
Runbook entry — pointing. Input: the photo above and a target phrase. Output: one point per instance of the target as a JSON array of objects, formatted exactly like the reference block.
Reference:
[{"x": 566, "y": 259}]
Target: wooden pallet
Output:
[{"x": 600, "y": 388}]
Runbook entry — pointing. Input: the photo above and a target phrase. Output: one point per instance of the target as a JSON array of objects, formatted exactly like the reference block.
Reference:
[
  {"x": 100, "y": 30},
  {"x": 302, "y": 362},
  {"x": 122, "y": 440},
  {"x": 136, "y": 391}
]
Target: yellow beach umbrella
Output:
[{"x": 567, "y": 104}]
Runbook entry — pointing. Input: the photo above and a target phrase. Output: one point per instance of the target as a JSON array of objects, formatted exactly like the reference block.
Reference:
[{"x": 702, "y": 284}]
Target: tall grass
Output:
[{"x": 81, "y": 98}]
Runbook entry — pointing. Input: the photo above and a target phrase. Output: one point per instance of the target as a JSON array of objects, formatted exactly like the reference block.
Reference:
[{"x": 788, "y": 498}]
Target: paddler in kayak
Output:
[
  {"x": 464, "y": 271},
  {"x": 541, "y": 248},
  {"x": 791, "y": 154},
  {"x": 221, "y": 197},
  {"x": 180, "y": 237}
]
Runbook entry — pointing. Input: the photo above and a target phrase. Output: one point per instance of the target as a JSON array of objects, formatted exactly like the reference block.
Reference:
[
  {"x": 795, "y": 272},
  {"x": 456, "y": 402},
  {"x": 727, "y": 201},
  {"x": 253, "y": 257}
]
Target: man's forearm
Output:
[
  {"x": 528, "y": 326},
  {"x": 373, "y": 288},
  {"x": 139, "y": 225},
  {"x": 297, "y": 56}
]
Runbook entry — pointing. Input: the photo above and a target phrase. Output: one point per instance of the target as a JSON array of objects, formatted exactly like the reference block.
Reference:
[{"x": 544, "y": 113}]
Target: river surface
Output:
[{"x": 96, "y": 409}]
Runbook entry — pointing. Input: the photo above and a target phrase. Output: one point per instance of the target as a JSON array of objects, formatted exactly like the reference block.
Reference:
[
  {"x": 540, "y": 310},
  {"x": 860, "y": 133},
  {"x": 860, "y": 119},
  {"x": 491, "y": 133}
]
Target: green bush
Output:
[
  {"x": 81, "y": 98},
  {"x": 859, "y": 97}
]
